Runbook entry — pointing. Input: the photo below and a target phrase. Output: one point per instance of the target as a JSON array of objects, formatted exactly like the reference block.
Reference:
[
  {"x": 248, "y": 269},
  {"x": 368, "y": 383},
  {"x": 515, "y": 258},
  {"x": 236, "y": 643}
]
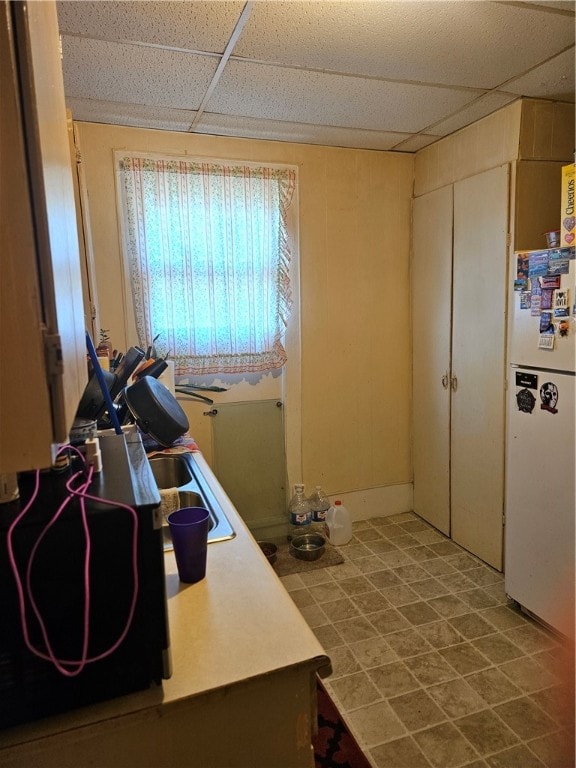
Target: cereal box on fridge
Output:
[{"x": 568, "y": 219}]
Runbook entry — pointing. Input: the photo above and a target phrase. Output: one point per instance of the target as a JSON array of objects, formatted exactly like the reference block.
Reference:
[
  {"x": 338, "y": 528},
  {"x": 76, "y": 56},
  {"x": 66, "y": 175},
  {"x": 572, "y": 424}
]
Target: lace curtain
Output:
[{"x": 206, "y": 249}]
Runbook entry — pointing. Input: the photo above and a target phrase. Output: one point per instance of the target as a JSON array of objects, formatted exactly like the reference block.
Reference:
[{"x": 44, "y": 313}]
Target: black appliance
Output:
[{"x": 31, "y": 687}]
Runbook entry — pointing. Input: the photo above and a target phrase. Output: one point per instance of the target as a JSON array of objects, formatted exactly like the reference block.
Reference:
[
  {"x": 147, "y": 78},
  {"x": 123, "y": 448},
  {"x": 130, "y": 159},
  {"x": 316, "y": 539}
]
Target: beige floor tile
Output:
[
  {"x": 353, "y": 691},
  {"x": 504, "y": 617},
  {"x": 525, "y": 718},
  {"x": 430, "y": 668},
  {"x": 343, "y": 662},
  {"x": 471, "y": 625},
  {"x": 531, "y": 639},
  {"x": 463, "y": 561},
  {"x": 370, "y": 602},
  {"x": 355, "y": 585},
  {"x": 375, "y": 724},
  {"x": 486, "y": 732},
  {"x": 310, "y": 578},
  {"x": 477, "y": 598},
  {"x": 292, "y": 582},
  {"x": 515, "y": 757},
  {"x": 527, "y": 674},
  {"x": 558, "y": 702},
  {"x": 353, "y": 630},
  {"x": 429, "y": 588},
  {"x": 383, "y": 579},
  {"x": 440, "y": 634},
  {"x": 464, "y": 658},
  {"x": 497, "y": 648},
  {"x": 329, "y": 591},
  {"x": 422, "y": 553},
  {"x": 457, "y": 581},
  {"x": 354, "y": 551},
  {"x": 373, "y": 652},
  {"x": 418, "y": 613},
  {"x": 456, "y": 698},
  {"x": 336, "y": 610},
  {"x": 417, "y": 710},
  {"x": 438, "y": 567},
  {"x": 399, "y": 557},
  {"x": 389, "y": 621},
  {"x": 448, "y": 606},
  {"x": 314, "y": 615},
  {"x": 412, "y": 572},
  {"x": 367, "y": 534},
  {"x": 402, "y": 753},
  {"x": 400, "y": 595},
  {"x": 381, "y": 546},
  {"x": 493, "y": 686},
  {"x": 328, "y": 637},
  {"x": 393, "y": 679},
  {"x": 302, "y": 597},
  {"x": 369, "y": 564},
  {"x": 556, "y": 750},
  {"x": 444, "y": 746},
  {"x": 408, "y": 642}
]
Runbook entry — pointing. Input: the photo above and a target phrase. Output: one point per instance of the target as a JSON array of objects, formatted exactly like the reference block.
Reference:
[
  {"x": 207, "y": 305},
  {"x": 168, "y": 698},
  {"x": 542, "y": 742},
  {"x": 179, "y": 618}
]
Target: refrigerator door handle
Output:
[
  {"x": 445, "y": 380},
  {"x": 454, "y": 383}
]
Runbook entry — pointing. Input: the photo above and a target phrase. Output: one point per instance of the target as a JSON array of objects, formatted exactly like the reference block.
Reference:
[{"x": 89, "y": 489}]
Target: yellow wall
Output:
[{"x": 354, "y": 292}]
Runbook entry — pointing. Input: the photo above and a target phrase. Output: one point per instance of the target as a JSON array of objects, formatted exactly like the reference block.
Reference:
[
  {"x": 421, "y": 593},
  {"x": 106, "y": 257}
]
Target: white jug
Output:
[{"x": 338, "y": 526}]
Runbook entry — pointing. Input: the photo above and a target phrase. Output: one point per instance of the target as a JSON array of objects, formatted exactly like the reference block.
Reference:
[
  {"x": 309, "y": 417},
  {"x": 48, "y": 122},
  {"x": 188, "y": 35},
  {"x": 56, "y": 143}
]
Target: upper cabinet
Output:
[{"x": 42, "y": 336}]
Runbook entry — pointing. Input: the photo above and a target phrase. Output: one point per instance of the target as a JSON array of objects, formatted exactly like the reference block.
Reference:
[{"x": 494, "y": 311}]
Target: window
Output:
[{"x": 207, "y": 254}]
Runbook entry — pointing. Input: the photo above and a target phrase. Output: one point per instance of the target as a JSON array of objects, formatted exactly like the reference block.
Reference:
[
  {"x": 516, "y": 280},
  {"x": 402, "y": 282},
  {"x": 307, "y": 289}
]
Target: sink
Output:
[{"x": 178, "y": 470}]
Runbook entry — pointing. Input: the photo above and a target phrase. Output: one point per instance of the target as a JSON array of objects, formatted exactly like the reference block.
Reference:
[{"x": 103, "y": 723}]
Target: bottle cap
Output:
[{"x": 337, "y": 502}]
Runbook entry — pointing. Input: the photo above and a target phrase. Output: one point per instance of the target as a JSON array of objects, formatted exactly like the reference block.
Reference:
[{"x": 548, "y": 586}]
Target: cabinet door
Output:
[
  {"x": 431, "y": 323},
  {"x": 478, "y": 362}
]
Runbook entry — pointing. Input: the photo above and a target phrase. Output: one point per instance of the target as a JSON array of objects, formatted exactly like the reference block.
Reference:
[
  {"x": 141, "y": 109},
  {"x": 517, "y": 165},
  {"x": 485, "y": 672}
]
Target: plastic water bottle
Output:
[
  {"x": 338, "y": 526},
  {"x": 319, "y": 505},
  {"x": 300, "y": 514}
]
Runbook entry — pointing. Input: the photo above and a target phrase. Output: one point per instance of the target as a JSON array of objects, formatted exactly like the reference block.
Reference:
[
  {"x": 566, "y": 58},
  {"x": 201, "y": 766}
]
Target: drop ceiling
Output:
[{"x": 387, "y": 74}]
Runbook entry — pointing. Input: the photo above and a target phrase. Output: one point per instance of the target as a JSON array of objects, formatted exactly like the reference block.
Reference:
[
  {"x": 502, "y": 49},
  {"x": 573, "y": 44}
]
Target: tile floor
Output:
[{"x": 432, "y": 667}]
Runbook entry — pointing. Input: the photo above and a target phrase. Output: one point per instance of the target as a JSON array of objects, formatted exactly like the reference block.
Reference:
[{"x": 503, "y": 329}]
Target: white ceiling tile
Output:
[
  {"x": 300, "y": 133},
  {"x": 257, "y": 90},
  {"x": 477, "y": 44},
  {"x": 472, "y": 112},
  {"x": 134, "y": 115},
  {"x": 121, "y": 72},
  {"x": 204, "y": 26},
  {"x": 553, "y": 80}
]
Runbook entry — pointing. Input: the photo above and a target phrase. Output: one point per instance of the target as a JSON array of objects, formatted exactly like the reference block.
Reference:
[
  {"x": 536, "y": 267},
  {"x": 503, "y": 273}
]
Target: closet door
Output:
[
  {"x": 431, "y": 324},
  {"x": 478, "y": 362}
]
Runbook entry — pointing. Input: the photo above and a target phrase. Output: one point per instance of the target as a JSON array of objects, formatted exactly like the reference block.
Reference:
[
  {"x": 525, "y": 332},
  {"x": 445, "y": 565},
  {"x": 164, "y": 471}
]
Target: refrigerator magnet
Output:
[
  {"x": 525, "y": 299},
  {"x": 561, "y": 304},
  {"x": 546, "y": 325},
  {"x": 525, "y": 400},
  {"x": 549, "y": 397},
  {"x": 546, "y": 298}
]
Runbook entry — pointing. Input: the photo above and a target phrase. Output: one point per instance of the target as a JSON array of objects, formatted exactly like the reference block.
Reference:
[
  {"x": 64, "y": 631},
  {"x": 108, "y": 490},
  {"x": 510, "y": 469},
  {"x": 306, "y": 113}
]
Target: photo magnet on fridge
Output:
[{"x": 549, "y": 397}]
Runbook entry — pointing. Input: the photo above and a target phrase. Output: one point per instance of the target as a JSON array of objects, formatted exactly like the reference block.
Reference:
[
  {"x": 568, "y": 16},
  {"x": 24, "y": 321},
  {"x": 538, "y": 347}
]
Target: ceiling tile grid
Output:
[{"x": 386, "y": 74}]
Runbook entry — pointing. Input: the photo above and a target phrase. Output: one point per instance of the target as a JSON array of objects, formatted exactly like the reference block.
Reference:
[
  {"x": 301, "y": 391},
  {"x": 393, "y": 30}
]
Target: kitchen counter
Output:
[{"x": 242, "y": 692}]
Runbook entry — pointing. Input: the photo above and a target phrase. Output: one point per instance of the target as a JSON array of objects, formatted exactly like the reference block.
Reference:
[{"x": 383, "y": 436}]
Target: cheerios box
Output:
[{"x": 568, "y": 218}]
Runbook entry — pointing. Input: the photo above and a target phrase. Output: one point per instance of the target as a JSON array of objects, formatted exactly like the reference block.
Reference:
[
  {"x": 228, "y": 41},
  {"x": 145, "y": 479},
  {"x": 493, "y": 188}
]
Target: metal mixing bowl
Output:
[{"x": 308, "y": 546}]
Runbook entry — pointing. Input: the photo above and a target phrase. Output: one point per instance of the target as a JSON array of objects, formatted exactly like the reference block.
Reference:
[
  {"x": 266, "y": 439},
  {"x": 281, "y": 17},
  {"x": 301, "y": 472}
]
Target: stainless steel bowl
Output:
[
  {"x": 269, "y": 550},
  {"x": 308, "y": 546}
]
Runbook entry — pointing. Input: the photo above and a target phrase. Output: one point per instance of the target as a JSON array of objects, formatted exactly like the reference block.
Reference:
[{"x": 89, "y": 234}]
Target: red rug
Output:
[{"x": 334, "y": 745}]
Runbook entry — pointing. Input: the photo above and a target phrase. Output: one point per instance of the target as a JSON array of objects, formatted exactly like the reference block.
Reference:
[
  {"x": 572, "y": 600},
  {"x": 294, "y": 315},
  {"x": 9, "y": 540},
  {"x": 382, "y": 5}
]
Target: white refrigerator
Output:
[{"x": 540, "y": 508}]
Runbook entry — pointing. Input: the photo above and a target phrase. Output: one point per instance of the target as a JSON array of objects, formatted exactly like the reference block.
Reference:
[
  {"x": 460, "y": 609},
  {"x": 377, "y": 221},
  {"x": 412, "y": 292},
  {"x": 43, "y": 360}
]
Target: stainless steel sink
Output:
[{"x": 178, "y": 470}]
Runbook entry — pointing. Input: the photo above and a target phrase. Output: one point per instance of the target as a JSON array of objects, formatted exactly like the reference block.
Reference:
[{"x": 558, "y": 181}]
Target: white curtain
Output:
[{"x": 206, "y": 248}]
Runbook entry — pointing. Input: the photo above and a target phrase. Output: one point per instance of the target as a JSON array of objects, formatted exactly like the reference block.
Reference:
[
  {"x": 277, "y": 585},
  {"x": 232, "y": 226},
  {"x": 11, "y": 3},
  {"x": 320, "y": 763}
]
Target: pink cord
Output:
[{"x": 81, "y": 492}]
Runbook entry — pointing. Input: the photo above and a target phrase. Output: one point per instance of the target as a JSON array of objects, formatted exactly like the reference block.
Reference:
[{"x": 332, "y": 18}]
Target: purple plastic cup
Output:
[{"x": 189, "y": 531}]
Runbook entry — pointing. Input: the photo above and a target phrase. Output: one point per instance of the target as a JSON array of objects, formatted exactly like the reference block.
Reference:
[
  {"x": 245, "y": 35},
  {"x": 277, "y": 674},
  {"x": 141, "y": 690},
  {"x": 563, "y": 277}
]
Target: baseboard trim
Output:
[{"x": 377, "y": 502}]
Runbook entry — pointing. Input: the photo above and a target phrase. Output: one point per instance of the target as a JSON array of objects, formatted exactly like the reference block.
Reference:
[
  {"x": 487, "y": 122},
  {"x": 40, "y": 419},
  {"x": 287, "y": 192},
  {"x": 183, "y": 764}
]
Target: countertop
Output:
[{"x": 237, "y": 624}]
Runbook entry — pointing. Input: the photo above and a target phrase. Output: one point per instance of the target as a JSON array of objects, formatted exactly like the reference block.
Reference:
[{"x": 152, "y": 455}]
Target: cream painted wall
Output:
[{"x": 351, "y": 397}]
